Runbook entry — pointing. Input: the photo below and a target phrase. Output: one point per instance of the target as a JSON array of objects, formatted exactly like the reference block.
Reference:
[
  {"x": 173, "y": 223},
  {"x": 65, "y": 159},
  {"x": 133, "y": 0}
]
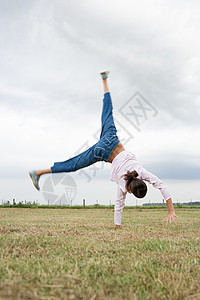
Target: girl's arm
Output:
[
  {"x": 171, "y": 217},
  {"x": 157, "y": 183},
  {"x": 119, "y": 205},
  {"x": 172, "y": 214}
]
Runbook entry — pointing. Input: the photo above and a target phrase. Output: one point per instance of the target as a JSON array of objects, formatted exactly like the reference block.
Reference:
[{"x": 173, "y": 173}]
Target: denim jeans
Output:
[{"x": 98, "y": 152}]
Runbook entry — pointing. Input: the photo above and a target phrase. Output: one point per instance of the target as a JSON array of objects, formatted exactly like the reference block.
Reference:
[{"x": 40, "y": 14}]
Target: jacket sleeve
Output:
[
  {"x": 156, "y": 182},
  {"x": 119, "y": 205}
]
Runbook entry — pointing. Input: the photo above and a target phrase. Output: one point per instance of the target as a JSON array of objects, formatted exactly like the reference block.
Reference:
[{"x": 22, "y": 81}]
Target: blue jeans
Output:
[{"x": 101, "y": 150}]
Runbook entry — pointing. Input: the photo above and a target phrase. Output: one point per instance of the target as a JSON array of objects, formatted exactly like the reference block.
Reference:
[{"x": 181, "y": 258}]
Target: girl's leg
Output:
[
  {"x": 107, "y": 121},
  {"x": 77, "y": 162},
  {"x": 90, "y": 156},
  {"x": 105, "y": 85},
  {"x": 42, "y": 172},
  {"x": 94, "y": 153},
  {"x": 48, "y": 171},
  {"x": 35, "y": 176},
  {"x": 73, "y": 164}
]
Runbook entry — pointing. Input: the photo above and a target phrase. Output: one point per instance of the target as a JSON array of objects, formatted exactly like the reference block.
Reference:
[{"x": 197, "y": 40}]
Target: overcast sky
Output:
[{"x": 51, "y": 54}]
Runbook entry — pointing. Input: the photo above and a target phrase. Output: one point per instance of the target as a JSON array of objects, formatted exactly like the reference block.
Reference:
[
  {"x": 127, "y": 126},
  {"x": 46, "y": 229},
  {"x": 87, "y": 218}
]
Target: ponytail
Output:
[
  {"x": 135, "y": 185},
  {"x": 130, "y": 176}
]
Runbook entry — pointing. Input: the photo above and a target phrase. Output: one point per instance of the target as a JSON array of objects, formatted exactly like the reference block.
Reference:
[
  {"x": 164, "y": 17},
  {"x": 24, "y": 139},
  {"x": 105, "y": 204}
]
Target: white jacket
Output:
[{"x": 126, "y": 161}]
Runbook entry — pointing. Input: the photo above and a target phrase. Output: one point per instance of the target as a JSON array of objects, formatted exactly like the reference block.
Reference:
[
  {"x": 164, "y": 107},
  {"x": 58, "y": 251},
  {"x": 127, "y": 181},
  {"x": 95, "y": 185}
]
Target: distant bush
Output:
[{"x": 95, "y": 206}]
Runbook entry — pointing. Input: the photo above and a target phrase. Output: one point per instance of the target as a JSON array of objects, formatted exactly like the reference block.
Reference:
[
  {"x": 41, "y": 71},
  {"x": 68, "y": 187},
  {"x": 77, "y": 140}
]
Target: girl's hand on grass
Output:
[
  {"x": 171, "y": 217},
  {"x": 118, "y": 226}
]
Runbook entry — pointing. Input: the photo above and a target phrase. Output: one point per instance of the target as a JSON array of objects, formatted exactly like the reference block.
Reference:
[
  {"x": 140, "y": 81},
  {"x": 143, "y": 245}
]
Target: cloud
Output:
[{"x": 53, "y": 48}]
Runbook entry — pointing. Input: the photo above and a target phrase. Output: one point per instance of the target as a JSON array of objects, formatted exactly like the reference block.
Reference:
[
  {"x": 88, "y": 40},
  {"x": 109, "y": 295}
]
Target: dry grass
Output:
[{"x": 77, "y": 254}]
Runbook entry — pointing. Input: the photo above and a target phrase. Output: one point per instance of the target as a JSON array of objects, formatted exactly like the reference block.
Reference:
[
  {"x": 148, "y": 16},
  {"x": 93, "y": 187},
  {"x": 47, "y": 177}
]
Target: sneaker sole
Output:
[
  {"x": 33, "y": 181},
  {"x": 105, "y": 72}
]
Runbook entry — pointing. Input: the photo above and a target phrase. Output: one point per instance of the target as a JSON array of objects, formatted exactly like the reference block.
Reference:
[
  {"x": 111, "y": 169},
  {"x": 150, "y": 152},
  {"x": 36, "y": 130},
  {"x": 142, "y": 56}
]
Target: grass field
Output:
[{"x": 77, "y": 254}]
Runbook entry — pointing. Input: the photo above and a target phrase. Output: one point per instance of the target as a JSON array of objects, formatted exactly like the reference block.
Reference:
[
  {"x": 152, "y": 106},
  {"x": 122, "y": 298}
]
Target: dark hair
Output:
[{"x": 137, "y": 186}]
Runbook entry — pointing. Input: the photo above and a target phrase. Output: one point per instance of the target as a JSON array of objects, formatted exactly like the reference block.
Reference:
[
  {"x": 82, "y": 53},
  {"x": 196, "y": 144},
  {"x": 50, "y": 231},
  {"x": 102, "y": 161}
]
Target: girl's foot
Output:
[
  {"x": 104, "y": 74},
  {"x": 35, "y": 179}
]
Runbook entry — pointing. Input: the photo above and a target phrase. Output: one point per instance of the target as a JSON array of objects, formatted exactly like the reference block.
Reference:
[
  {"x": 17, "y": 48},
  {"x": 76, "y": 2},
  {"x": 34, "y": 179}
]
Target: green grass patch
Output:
[{"x": 78, "y": 254}]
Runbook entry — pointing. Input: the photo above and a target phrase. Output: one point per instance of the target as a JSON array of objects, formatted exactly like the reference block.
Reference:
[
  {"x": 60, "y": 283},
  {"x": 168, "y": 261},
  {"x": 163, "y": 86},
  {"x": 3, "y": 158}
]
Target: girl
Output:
[{"x": 126, "y": 171}]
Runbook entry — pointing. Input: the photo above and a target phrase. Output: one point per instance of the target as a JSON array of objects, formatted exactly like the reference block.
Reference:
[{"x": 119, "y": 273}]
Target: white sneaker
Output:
[{"x": 104, "y": 74}]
